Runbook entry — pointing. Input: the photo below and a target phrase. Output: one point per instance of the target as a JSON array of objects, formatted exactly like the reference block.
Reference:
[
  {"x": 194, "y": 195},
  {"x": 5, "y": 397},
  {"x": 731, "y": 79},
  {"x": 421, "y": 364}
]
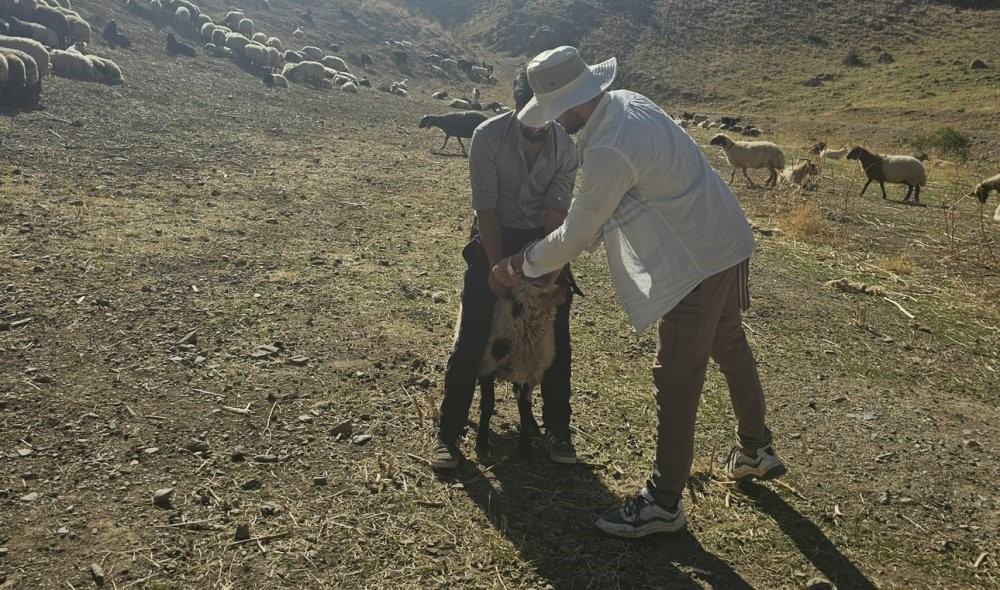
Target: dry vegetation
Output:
[{"x": 155, "y": 237}]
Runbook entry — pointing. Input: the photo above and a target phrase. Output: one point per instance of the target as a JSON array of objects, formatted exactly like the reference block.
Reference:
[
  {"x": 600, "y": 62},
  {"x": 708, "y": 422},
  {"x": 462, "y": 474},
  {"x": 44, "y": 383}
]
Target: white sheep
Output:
[
  {"x": 40, "y": 33},
  {"x": 751, "y": 154},
  {"x": 298, "y": 33},
  {"x": 306, "y": 71},
  {"x": 349, "y": 87},
  {"x": 274, "y": 42},
  {"x": 155, "y": 10},
  {"x": 801, "y": 173},
  {"x": 459, "y": 103},
  {"x": 895, "y": 169},
  {"x": 830, "y": 154},
  {"x": 79, "y": 29},
  {"x": 982, "y": 192},
  {"x": 274, "y": 59},
  {"x": 448, "y": 64},
  {"x": 256, "y": 54},
  {"x": 236, "y": 42},
  {"x": 107, "y": 70},
  {"x": 233, "y": 18},
  {"x": 4, "y": 70},
  {"x": 36, "y": 50},
  {"x": 219, "y": 37},
  {"x": 259, "y": 37},
  {"x": 245, "y": 27},
  {"x": 279, "y": 81},
  {"x": 203, "y": 19},
  {"x": 332, "y": 61},
  {"x": 312, "y": 53},
  {"x": 479, "y": 73},
  {"x": 207, "y": 30},
  {"x": 71, "y": 64},
  {"x": 182, "y": 17}
]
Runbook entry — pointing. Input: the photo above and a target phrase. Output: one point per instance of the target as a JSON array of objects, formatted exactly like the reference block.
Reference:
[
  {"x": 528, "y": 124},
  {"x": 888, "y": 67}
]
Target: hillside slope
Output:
[{"x": 755, "y": 57}]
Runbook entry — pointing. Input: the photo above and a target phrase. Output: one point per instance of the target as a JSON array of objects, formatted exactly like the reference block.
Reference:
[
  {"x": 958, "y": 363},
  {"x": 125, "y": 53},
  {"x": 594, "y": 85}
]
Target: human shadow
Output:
[
  {"x": 810, "y": 540},
  {"x": 547, "y": 511}
]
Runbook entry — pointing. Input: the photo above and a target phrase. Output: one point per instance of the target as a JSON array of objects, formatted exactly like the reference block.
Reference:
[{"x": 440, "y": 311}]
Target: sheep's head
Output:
[
  {"x": 855, "y": 153},
  {"x": 981, "y": 193},
  {"x": 425, "y": 122},
  {"x": 720, "y": 139}
]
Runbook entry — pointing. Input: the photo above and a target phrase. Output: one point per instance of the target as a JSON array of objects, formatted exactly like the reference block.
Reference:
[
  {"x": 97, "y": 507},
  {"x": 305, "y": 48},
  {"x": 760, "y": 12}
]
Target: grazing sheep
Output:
[
  {"x": 458, "y": 125},
  {"x": 70, "y": 64},
  {"x": 245, "y": 27},
  {"x": 39, "y": 54},
  {"x": 52, "y": 19},
  {"x": 12, "y": 91},
  {"x": 350, "y": 87},
  {"x": 293, "y": 57},
  {"x": 236, "y": 42},
  {"x": 175, "y": 47},
  {"x": 895, "y": 169},
  {"x": 206, "y": 32},
  {"x": 332, "y": 61},
  {"x": 113, "y": 37},
  {"x": 519, "y": 349},
  {"x": 274, "y": 42},
  {"x": 459, "y": 103},
  {"x": 108, "y": 71},
  {"x": 182, "y": 17},
  {"x": 801, "y": 173},
  {"x": 303, "y": 72},
  {"x": 275, "y": 80},
  {"x": 233, "y": 18},
  {"x": 274, "y": 59},
  {"x": 479, "y": 73},
  {"x": 982, "y": 192},
  {"x": 30, "y": 30},
  {"x": 79, "y": 29},
  {"x": 259, "y": 38},
  {"x": 312, "y": 53},
  {"x": 440, "y": 95},
  {"x": 219, "y": 37},
  {"x": 830, "y": 154},
  {"x": 751, "y": 154},
  {"x": 155, "y": 10},
  {"x": 298, "y": 33}
]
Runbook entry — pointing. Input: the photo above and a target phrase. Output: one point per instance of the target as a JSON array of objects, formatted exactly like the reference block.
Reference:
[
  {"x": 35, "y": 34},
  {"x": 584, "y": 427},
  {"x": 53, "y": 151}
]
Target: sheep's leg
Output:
[
  {"x": 862, "y": 193},
  {"x": 772, "y": 179},
  {"x": 732, "y": 176},
  {"x": 487, "y": 404},
  {"x": 446, "y": 138},
  {"x": 884, "y": 195},
  {"x": 462, "y": 145},
  {"x": 917, "y": 197},
  {"x": 909, "y": 191},
  {"x": 747, "y": 176},
  {"x": 528, "y": 425}
]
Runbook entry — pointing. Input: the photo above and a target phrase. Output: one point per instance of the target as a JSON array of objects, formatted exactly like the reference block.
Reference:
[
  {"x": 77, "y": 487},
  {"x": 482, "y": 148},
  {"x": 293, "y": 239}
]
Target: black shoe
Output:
[
  {"x": 444, "y": 455},
  {"x": 560, "y": 448}
]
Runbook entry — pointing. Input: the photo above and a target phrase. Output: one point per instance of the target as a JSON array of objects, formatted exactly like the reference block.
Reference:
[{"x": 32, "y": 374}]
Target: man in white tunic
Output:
[{"x": 678, "y": 245}]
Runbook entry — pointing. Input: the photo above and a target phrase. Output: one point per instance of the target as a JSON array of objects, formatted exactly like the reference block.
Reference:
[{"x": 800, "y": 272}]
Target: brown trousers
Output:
[{"x": 707, "y": 323}]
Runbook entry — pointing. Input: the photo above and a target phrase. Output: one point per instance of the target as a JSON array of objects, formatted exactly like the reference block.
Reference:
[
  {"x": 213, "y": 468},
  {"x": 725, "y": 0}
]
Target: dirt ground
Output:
[{"x": 246, "y": 296}]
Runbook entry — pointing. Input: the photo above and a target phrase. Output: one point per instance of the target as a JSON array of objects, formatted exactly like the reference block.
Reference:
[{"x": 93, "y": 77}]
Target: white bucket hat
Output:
[{"x": 561, "y": 80}]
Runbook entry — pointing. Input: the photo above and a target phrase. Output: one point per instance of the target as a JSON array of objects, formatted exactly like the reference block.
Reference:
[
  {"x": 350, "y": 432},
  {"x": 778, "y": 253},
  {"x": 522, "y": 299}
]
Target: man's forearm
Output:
[{"x": 489, "y": 234}]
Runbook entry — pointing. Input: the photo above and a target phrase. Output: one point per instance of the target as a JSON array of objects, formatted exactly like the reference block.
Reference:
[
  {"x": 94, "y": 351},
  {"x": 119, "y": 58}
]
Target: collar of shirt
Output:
[{"x": 592, "y": 128}]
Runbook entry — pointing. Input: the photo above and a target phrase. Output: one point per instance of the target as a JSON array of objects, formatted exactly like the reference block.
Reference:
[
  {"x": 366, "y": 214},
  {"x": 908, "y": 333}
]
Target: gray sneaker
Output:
[
  {"x": 444, "y": 455},
  {"x": 764, "y": 464},
  {"x": 560, "y": 448},
  {"x": 642, "y": 516}
]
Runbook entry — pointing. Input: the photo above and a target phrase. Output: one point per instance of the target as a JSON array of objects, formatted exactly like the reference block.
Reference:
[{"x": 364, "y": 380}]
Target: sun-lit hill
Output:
[{"x": 756, "y": 57}]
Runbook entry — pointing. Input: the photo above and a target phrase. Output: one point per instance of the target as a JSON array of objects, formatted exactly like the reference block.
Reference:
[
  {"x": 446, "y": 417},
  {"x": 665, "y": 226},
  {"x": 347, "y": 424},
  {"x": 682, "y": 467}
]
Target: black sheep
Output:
[
  {"x": 175, "y": 47},
  {"x": 459, "y": 125},
  {"x": 113, "y": 37},
  {"x": 268, "y": 79}
]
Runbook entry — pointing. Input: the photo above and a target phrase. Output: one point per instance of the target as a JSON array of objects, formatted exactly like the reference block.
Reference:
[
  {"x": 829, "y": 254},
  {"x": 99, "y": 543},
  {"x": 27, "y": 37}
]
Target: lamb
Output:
[
  {"x": 895, "y": 169},
  {"x": 801, "y": 173},
  {"x": 751, "y": 154},
  {"x": 36, "y": 50},
  {"x": 832, "y": 154},
  {"x": 460, "y": 125},
  {"x": 175, "y": 47},
  {"x": 519, "y": 349},
  {"x": 459, "y": 103}
]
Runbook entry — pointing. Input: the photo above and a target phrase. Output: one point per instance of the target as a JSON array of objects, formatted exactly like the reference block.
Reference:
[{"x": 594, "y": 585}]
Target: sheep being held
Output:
[
  {"x": 519, "y": 349},
  {"x": 895, "y": 169},
  {"x": 751, "y": 154},
  {"x": 458, "y": 125}
]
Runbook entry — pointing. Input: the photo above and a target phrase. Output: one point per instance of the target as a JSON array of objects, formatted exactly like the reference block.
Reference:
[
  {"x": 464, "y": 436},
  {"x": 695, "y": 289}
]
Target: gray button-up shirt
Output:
[{"x": 501, "y": 180}]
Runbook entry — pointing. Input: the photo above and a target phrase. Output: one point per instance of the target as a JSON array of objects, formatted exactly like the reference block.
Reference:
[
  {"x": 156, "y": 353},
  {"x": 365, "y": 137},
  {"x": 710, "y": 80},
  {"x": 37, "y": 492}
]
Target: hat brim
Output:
[{"x": 540, "y": 113}]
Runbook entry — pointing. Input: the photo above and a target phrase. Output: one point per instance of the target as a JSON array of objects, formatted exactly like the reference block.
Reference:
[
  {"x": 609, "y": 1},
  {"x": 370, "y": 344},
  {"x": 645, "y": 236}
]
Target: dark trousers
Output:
[{"x": 461, "y": 373}]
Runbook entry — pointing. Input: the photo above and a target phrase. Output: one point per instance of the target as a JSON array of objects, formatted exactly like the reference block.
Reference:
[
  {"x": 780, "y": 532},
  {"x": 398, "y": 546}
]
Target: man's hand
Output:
[
  {"x": 499, "y": 289},
  {"x": 501, "y": 272}
]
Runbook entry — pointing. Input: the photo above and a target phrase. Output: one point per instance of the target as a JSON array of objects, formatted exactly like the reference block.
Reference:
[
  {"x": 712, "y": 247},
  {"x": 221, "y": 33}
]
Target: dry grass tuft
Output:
[{"x": 806, "y": 221}]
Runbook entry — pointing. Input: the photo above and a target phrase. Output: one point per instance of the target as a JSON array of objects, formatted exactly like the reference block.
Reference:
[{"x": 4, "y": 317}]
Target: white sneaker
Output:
[
  {"x": 642, "y": 516},
  {"x": 764, "y": 464}
]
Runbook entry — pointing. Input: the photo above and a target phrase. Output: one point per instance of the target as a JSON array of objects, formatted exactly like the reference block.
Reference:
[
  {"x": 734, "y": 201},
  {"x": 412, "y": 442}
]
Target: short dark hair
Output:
[{"x": 522, "y": 91}]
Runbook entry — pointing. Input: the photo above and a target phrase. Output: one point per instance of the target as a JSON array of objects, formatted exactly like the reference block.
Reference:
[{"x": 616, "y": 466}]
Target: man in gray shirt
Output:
[{"x": 522, "y": 183}]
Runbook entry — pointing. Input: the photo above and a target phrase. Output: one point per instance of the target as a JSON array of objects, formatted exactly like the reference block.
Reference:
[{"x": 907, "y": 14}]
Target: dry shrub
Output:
[
  {"x": 805, "y": 221},
  {"x": 899, "y": 264}
]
